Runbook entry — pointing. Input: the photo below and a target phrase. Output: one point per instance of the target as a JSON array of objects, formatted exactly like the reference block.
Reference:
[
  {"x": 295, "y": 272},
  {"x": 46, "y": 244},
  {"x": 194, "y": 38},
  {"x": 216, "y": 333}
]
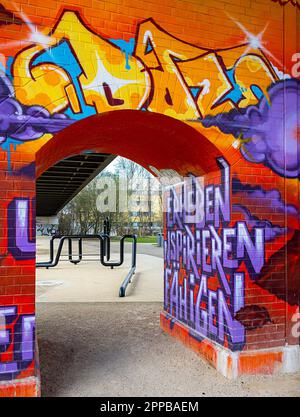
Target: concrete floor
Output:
[
  {"x": 118, "y": 349},
  {"x": 89, "y": 281},
  {"x": 93, "y": 343}
]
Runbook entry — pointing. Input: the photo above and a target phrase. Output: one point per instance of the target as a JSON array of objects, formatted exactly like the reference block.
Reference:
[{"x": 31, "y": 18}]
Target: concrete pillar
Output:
[{"x": 46, "y": 225}]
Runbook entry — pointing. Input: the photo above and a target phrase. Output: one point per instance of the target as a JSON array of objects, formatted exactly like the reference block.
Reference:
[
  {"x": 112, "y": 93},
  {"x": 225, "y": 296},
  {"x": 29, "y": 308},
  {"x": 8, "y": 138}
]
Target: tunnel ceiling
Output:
[{"x": 60, "y": 183}]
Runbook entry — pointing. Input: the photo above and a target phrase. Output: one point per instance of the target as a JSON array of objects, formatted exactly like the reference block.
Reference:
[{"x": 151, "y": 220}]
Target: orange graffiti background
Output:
[
  {"x": 203, "y": 38},
  {"x": 204, "y": 60}
]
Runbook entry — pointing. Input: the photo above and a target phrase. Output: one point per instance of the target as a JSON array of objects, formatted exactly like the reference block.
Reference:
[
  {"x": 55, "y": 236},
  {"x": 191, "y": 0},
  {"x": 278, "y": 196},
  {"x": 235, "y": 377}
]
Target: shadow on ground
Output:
[{"x": 118, "y": 349}]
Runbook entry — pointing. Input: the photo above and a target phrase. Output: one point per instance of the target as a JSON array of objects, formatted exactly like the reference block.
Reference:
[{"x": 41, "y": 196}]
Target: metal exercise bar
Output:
[
  {"x": 127, "y": 280},
  {"x": 104, "y": 240},
  {"x": 52, "y": 247},
  {"x": 70, "y": 248},
  {"x": 122, "y": 241},
  {"x": 130, "y": 274},
  {"x": 106, "y": 232},
  {"x": 53, "y": 262}
]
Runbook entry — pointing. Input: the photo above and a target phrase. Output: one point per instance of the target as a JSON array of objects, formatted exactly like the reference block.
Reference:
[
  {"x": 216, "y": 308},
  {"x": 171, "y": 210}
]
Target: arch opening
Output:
[
  {"x": 156, "y": 142},
  {"x": 231, "y": 281},
  {"x": 150, "y": 139}
]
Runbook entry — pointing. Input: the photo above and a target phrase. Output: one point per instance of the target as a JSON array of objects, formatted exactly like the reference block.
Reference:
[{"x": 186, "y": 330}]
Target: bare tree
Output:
[{"x": 81, "y": 215}]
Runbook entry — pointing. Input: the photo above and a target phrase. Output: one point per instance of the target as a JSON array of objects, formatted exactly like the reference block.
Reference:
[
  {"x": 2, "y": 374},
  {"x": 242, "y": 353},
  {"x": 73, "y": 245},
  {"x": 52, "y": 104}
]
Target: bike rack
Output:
[
  {"x": 104, "y": 252},
  {"x": 53, "y": 262}
]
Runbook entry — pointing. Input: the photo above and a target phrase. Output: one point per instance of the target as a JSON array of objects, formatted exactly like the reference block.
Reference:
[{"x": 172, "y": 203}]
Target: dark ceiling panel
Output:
[{"x": 60, "y": 183}]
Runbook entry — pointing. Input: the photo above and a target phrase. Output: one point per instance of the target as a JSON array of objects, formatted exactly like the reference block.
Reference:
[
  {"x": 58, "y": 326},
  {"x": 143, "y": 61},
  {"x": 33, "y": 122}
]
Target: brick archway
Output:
[
  {"x": 165, "y": 68},
  {"x": 146, "y": 138}
]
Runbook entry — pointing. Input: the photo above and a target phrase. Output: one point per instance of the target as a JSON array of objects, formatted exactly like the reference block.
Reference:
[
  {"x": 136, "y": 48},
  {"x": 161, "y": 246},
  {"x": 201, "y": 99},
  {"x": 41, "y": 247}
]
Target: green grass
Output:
[
  {"x": 146, "y": 239},
  {"x": 140, "y": 239}
]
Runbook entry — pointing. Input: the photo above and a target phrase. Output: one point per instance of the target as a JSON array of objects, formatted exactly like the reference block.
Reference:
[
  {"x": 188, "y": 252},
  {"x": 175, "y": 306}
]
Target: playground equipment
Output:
[{"x": 104, "y": 253}]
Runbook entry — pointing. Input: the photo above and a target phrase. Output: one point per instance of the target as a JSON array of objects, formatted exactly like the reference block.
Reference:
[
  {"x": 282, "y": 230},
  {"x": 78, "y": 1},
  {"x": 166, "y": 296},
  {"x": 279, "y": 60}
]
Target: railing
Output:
[
  {"x": 53, "y": 262},
  {"x": 104, "y": 254}
]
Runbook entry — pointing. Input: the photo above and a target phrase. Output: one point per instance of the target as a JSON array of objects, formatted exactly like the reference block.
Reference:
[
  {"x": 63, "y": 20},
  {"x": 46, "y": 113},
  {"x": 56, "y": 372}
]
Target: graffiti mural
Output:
[
  {"x": 20, "y": 244},
  {"x": 63, "y": 77},
  {"x": 46, "y": 229},
  {"x": 17, "y": 322},
  {"x": 17, "y": 335},
  {"x": 8, "y": 18},
  {"x": 264, "y": 135},
  {"x": 211, "y": 290},
  {"x": 284, "y": 2},
  {"x": 231, "y": 263}
]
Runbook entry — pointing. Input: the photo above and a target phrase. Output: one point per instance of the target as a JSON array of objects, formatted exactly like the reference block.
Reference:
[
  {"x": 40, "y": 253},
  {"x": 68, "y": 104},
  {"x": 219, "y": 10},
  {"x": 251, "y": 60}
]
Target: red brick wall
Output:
[{"x": 217, "y": 68}]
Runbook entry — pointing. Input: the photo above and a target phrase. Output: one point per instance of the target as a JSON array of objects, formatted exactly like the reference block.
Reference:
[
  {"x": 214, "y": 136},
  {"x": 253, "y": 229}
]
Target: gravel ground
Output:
[{"x": 114, "y": 349}]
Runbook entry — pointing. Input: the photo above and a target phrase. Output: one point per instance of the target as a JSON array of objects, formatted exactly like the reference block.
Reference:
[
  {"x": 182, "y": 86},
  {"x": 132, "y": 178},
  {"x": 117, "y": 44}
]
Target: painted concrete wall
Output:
[
  {"x": 46, "y": 226},
  {"x": 208, "y": 89}
]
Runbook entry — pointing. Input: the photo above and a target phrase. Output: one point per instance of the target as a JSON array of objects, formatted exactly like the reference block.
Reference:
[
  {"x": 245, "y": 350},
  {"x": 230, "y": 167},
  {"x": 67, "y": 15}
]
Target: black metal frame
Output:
[
  {"x": 130, "y": 274},
  {"x": 104, "y": 252}
]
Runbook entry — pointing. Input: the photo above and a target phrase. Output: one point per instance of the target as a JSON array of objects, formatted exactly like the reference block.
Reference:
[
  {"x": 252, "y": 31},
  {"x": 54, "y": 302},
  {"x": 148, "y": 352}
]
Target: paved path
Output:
[
  {"x": 118, "y": 349},
  {"x": 92, "y": 347},
  {"x": 89, "y": 281}
]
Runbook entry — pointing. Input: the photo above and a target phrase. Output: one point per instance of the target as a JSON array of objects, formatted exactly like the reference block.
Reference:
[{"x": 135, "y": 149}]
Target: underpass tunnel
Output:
[
  {"x": 67, "y": 162},
  {"x": 63, "y": 169},
  {"x": 86, "y": 279},
  {"x": 173, "y": 90},
  {"x": 173, "y": 146}
]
